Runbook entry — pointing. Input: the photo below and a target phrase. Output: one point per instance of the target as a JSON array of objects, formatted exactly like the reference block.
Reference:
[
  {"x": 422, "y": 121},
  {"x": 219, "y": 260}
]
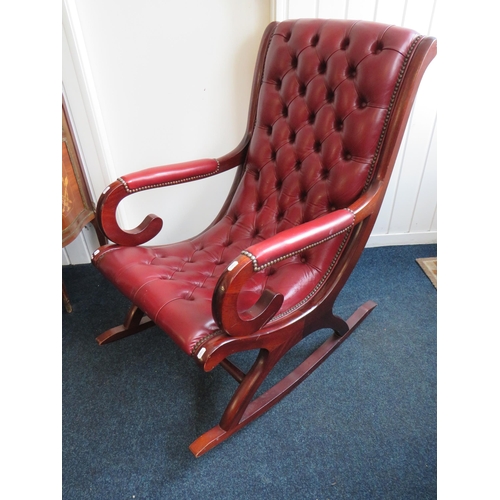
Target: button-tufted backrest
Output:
[
  {"x": 325, "y": 95},
  {"x": 325, "y": 99}
]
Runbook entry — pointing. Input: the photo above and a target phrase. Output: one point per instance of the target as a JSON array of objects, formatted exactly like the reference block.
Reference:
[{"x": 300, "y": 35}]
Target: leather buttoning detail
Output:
[{"x": 378, "y": 46}]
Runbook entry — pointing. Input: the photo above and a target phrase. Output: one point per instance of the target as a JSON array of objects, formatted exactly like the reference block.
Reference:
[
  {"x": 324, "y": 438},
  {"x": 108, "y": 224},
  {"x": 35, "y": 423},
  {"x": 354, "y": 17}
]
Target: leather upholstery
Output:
[
  {"x": 323, "y": 105},
  {"x": 159, "y": 176}
]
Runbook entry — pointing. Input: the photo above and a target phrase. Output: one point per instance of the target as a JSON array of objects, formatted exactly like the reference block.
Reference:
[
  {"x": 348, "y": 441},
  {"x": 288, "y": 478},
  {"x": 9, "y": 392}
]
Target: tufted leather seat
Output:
[{"x": 328, "y": 109}]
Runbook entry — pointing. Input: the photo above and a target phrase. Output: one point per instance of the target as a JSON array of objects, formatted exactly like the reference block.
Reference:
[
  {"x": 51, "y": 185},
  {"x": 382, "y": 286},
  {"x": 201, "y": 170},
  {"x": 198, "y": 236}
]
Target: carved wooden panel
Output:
[{"x": 77, "y": 209}]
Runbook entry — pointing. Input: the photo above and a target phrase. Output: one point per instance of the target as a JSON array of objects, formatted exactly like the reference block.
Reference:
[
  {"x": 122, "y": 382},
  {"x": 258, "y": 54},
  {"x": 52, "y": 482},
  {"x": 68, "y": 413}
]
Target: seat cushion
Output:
[{"x": 174, "y": 284}]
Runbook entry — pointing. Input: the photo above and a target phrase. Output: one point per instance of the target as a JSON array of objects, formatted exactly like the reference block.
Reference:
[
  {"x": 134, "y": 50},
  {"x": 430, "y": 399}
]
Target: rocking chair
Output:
[{"x": 329, "y": 106}]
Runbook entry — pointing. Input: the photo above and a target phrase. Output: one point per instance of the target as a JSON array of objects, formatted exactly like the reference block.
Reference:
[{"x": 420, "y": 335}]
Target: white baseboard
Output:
[
  {"x": 80, "y": 250},
  {"x": 386, "y": 240}
]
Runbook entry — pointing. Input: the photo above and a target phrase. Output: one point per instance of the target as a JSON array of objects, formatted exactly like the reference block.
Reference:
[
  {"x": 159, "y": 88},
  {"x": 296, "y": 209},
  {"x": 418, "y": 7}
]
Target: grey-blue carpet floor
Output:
[{"x": 362, "y": 426}]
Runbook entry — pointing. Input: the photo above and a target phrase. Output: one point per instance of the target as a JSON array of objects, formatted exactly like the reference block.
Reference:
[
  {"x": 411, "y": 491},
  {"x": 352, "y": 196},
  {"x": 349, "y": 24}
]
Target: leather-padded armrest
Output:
[
  {"x": 279, "y": 247},
  {"x": 169, "y": 174},
  {"x": 139, "y": 181},
  {"x": 299, "y": 238}
]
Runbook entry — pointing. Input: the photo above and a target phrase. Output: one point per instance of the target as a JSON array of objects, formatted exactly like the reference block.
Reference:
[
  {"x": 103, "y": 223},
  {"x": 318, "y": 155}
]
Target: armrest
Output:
[
  {"x": 257, "y": 257},
  {"x": 140, "y": 181},
  {"x": 169, "y": 174},
  {"x": 297, "y": 239}
]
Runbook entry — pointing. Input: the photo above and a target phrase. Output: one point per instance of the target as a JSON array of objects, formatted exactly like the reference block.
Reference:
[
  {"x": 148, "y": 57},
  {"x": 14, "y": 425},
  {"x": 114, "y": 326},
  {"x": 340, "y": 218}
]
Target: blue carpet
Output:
[{"x": 362, "y": 426}]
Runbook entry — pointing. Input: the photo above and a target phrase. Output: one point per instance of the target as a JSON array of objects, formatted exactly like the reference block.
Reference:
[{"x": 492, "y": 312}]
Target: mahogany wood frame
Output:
[{"x": 271, "y": 341}]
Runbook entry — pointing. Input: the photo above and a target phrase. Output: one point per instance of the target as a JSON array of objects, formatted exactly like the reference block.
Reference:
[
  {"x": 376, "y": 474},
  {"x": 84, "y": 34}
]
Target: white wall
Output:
[
  {"x": 151, "y": 83},
  {"x": 165, "y": 82}
]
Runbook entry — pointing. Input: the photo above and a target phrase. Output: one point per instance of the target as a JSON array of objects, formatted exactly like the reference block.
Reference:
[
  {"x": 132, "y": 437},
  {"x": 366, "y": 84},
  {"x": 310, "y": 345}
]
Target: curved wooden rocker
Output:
[{"x": 329, "y": 106}]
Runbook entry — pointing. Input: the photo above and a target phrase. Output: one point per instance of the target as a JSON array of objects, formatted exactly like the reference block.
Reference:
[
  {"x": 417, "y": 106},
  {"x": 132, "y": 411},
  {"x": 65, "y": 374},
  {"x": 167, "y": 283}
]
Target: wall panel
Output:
[
  {"x": 332, "y": 10},
  {"x": 390, "y": 12},
  {"x": 361, "y": 9}
]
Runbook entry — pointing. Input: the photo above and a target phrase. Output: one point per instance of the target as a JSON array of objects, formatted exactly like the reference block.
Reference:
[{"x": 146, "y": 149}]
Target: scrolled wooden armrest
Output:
[
  {"x": 368, "y": 202},
  {"x": 261, "y": 255},
  {"x": 225, "y": 298},
  {"x": 140, "y": 181}
]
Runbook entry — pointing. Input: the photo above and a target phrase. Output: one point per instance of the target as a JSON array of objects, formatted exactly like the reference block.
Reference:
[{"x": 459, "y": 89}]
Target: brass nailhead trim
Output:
[
  {"x": 198, "y": 344},
  {"x": 257, "y": 268},
  {"x": 321, "y": 281},
  {"x": 389, "y": 109},
  {"x": 201, "y": 342},
  {"x": 171, "y": 183}
]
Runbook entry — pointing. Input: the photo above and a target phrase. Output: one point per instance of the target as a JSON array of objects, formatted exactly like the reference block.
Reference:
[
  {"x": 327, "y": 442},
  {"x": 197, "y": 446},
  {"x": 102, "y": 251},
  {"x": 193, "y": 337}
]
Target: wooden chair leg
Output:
[
  {"x": 66, "y": 301},
  {"x": 241, "y": 411},
  {"x": 136, "y": 321}
]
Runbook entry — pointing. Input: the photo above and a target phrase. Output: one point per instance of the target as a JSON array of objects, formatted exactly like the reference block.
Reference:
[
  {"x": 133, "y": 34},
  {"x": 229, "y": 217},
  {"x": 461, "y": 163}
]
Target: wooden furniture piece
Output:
[
  {"x": 77, "y": 208},
  {"x": 329, "y": 106}
]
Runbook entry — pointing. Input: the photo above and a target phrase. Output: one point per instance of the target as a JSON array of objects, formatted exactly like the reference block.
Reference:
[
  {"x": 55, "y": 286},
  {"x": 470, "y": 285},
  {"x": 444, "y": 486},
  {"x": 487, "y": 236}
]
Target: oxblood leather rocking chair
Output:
[{"x": 329, "y": 106}]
